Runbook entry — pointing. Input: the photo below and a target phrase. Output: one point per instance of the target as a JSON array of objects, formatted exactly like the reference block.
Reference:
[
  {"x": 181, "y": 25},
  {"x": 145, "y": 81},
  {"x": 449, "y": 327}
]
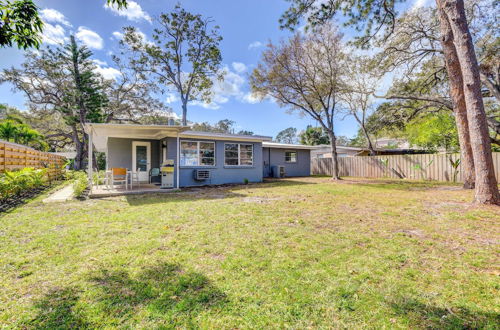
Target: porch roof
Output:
[{"x": 101, "y": 132}]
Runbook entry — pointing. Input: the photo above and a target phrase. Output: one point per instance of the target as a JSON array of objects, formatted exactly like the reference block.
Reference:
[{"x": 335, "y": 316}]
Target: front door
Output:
[{"x": 141, "y": 159}]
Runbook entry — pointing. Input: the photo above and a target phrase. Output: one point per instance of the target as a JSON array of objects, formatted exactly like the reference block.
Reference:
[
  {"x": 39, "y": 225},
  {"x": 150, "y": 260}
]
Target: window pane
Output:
[
  {"x": 189, "y": 153},
  {"x": 246, "y": 154},
  {"x": 246, "y": 162},
  {"x": 207, "y": 146},
  {"x": 231, "y": 154},
  {"x": 207, "y": 150},
  {"x": 141, "y": 158},
  {"x": 208, "y": 161},
  {"x": 231, "y": 161},
  {"x": 291, "y": 156},
  {"x": 231, "y": 147}
]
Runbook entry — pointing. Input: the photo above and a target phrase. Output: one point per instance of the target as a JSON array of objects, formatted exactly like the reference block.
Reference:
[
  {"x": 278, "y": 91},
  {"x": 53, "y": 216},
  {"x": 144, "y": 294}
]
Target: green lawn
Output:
[{"x": 296, "y": 253}]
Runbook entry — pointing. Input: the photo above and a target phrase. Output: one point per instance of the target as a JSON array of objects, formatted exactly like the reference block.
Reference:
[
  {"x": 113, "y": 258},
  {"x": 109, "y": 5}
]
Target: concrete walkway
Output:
[{"x": 64, "y": 194}]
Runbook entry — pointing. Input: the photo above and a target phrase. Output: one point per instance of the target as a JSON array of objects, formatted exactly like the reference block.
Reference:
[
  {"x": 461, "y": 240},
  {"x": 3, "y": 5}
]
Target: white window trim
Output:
[
  {"x": 239, "y": 155},
  {"x": 296, "y": 157},
  {"x": 198, "y": 153}
]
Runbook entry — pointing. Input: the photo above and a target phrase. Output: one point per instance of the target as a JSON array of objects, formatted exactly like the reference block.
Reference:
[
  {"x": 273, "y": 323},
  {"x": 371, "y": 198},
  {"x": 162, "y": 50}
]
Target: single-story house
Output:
[{"x": 197, "y": 158}]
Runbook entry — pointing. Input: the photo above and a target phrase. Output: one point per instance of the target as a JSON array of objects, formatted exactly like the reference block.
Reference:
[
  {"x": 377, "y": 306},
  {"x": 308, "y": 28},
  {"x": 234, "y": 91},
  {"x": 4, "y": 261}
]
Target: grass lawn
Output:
[{"x": 297, "y": 253}]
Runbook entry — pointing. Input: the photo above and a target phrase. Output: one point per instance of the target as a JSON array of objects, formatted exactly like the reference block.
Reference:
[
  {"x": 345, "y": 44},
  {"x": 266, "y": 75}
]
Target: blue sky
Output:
[{"x": 246, "y": 26}]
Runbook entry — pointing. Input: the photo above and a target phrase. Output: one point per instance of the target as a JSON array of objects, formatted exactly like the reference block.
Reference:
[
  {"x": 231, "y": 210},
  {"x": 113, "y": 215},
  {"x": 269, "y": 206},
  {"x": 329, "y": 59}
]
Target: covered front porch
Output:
[{"x": 140, "y": 149}]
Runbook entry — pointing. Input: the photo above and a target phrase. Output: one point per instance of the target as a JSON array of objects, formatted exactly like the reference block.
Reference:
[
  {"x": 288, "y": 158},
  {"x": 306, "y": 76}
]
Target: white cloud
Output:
[
  {"x": 171, "y": 98},
  {"x": 239, "y": 67},
  {"x": 54, "y": 16},
  {"x": 99, "y": 62},
  {"x": 89, "y": 38},
  {"x": 54, "y": 22},
  {"x": 417, "y": 4},
  {"x": 255, "y": 44},
  {"x": 53, "y": 34},
  {"x": 133, "y": 12},
  {"x": 108, "y": 73},
  {"x": 250, "y": 98},
  {"x": 117, "y": 35},
  {"x": 234, "y": 86}
]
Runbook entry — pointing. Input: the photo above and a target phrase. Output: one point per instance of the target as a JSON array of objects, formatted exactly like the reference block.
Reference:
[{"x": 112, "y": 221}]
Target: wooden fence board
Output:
[
  {"x": 15, "y": 157},
  {"x": 435, "y": 167}
]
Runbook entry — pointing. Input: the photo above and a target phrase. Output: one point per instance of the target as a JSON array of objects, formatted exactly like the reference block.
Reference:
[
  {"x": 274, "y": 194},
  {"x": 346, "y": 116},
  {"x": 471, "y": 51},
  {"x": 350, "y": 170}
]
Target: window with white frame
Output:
[
  {"x": 238, "y": 154},
  {"x": 197, "y": 153},
  {"x": 290, "y": 156}
]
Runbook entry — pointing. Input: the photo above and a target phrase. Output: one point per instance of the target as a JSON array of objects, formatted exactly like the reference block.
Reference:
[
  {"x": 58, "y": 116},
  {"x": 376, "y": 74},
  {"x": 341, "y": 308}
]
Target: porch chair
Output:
[
  {"x": 119, "y": 176},
  {"x": 134, "y": 178},
  {"x": 154, "y": 172}
]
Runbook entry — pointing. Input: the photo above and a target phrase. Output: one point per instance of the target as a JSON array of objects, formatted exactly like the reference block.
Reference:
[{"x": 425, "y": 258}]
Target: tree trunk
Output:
[
  {"x": 486, "y": 183},
  {"x": 457, "y": 96},
  {"x": 370, "y": 144},
  {"x": 333, "y": 148},
  {"x": 184, "y": 113}
]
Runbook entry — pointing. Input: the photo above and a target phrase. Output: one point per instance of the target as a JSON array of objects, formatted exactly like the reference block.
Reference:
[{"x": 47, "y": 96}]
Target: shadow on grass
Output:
[
  {"x": 433, "y": 317},
  {"x": 191, "y": 194},
  {"x": 165, "y": 294}
]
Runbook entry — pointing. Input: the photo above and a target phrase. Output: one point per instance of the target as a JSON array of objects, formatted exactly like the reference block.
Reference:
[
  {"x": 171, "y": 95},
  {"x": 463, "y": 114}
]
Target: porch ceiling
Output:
[{"x": 101, "y": 132}]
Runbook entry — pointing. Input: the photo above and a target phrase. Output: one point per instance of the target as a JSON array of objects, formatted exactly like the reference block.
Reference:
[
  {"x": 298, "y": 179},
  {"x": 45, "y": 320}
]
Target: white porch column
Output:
[
  {"x": 177, "y": 170},
  {"x": 89, "y": 162}
]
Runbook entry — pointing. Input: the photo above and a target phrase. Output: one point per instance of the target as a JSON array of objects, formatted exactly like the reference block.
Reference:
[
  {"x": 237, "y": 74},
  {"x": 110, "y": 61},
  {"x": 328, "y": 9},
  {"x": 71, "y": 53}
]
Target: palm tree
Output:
[{"x": 8, "y": 130}]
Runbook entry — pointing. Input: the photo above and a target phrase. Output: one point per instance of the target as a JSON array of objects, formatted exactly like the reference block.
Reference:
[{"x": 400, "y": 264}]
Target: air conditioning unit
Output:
[
  {"x": 278, "y": 171},
  {"x": 201, "y": 175}
]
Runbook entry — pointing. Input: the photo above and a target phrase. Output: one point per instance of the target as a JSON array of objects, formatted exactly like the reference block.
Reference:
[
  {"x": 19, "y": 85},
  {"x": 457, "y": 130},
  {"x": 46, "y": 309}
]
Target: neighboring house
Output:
[
  {"x": 324, "y": 151},
  {"x": 391, "y": 143},
  {"x": 229, "y": 158}
]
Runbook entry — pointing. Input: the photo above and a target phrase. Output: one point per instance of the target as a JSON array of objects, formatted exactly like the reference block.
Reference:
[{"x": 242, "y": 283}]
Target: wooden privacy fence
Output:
[
  {"x": 15, "y": 156},
  {"x": 419, "y": 167}
]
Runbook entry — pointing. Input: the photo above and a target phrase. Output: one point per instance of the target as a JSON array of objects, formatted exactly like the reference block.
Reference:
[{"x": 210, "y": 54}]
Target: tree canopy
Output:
[{"x": 184, "y": 55}]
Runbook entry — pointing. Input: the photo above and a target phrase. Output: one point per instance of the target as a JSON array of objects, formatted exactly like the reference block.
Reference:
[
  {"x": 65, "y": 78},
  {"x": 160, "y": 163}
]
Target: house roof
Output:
[
  {"x": 224, "y": 136},
  {"x": 287, "y": 146},
  {"x": 101, "y": 132}
]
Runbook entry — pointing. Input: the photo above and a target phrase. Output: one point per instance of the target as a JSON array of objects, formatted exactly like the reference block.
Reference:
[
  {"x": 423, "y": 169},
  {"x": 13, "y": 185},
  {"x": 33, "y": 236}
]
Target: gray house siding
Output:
[
  {"x": 120, "y": 152},
  {"x": 220, "y": 174},
  {"x": 276, "y": 156}
]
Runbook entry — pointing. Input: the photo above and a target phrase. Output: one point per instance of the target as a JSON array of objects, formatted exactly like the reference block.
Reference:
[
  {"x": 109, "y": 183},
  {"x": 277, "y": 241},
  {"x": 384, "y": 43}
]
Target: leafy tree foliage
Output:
[
  {"x": 226, "y": 126},
  {"x": 14, "y": 129},
  {"x": 314, "y": 136},
  {"x": 288, "y": 135},
  {"x": 20, "y": 23},
  {"x": 184, "y": 55},
  {"x": 304, "y": 74},
  {"x": 433, "y": 132},
  {"x": 62, "y": 83}
]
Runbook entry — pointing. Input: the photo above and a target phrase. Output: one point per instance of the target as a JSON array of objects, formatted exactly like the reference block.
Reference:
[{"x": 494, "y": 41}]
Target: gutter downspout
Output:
[{"x": 177, "y": 162}]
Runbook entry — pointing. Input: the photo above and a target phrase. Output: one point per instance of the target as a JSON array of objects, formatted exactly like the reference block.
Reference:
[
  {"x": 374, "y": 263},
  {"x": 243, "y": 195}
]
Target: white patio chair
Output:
[{"x": 134, "y": 177}]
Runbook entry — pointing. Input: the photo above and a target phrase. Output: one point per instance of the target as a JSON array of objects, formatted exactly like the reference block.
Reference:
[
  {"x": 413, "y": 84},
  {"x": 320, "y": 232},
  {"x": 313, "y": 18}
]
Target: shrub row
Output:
[
  {"x": 81, "y": 184},
  {"x": 16, "y": 183}
]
